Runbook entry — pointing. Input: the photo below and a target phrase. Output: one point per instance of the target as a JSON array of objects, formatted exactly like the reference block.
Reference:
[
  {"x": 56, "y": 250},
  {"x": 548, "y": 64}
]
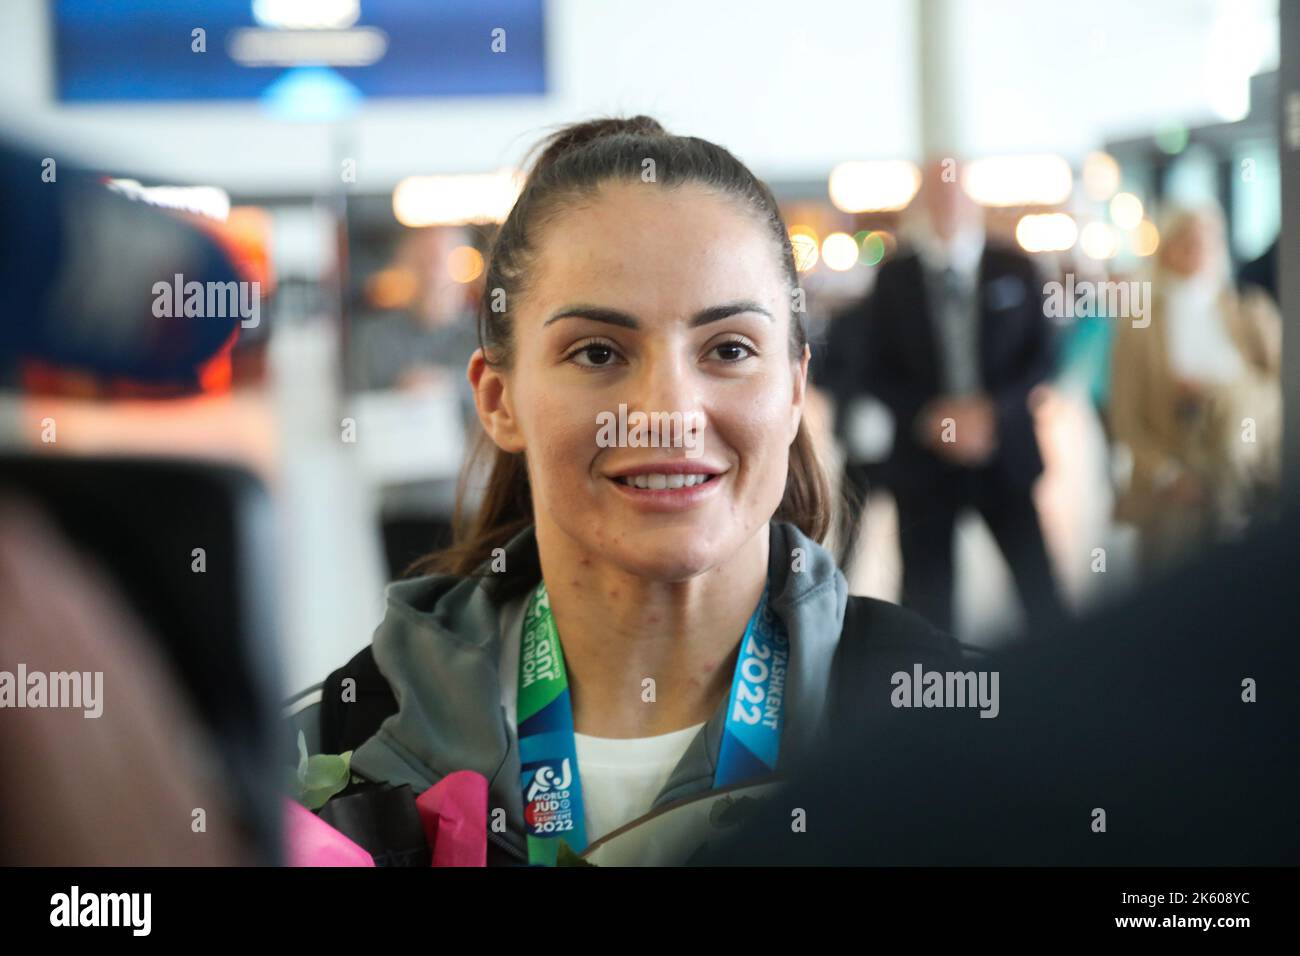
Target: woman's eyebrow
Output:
[{"x": 627, "y": 321}]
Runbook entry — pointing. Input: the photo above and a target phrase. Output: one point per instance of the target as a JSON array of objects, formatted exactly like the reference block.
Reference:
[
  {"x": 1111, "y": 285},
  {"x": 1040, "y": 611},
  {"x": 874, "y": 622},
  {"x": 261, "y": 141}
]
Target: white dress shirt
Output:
[{"x": 951, "y": 271}]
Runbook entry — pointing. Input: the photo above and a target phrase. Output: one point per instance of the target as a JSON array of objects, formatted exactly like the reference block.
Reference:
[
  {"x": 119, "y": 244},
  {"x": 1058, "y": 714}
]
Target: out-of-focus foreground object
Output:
[
  {"x": 187, "y": 546},
  {"x": 128, "y": 780}
]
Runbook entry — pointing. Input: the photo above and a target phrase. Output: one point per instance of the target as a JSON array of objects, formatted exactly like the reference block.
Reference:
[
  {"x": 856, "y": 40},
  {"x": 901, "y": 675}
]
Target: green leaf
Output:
[
  {"x": 302, "y": 759},
  {"x": 321, "y": 776},
  {"x": 566, "y": 856}
]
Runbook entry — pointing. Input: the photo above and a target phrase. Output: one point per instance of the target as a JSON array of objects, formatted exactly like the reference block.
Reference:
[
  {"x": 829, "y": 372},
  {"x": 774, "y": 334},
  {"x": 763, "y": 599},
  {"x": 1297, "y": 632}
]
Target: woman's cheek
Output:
[
  {"x": 763, "y": 417},
  {"x": 776, "y": 439},
  {"x": 757, "y": 430},
  {"x": 563, "y": 438}
]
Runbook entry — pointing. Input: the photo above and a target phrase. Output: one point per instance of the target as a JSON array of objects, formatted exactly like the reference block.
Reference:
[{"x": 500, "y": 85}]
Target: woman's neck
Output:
[{"x": 619, "y": 631}]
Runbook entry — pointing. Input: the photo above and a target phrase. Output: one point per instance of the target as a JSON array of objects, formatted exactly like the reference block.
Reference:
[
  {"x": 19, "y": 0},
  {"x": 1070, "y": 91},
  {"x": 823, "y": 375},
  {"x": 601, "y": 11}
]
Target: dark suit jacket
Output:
[{"x": 887, "y": 346}]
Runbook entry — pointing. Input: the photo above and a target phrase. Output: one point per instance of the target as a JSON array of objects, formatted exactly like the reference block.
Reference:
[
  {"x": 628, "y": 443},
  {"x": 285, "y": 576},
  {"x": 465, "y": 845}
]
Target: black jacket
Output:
[{"x": 427, "y": 698}]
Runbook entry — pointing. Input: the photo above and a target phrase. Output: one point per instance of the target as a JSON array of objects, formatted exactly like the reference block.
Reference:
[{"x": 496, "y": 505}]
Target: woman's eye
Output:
[
  {"x": 733, "y": 351},
  {"x": 596, "y": 355}
]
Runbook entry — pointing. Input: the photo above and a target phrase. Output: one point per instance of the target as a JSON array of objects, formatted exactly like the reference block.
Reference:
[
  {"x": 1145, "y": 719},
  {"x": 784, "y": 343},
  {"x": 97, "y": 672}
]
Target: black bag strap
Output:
[{"x": 351, "y": 713}]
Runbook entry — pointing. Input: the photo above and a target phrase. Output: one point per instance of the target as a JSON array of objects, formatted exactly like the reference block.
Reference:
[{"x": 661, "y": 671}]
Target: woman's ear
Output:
[{"x": 493, "y": 401}]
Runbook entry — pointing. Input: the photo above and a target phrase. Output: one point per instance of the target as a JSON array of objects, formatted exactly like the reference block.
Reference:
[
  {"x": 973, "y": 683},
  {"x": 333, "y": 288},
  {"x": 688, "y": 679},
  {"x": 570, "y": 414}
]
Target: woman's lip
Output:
[
  {"x": 668, "y": 499},
  {"x": 674, "y": 467}
]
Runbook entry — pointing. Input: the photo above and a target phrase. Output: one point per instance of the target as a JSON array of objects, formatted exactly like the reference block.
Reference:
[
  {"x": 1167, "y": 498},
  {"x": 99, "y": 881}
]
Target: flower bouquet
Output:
[{"x": 379, "y": 824}]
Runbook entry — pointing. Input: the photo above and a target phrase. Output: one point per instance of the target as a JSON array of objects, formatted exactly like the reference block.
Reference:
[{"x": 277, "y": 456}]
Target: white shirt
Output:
[
  {"x": 962, "y": 253},
  {"x": 951, "y": 273},
  {"x": 620, "y": 776}
]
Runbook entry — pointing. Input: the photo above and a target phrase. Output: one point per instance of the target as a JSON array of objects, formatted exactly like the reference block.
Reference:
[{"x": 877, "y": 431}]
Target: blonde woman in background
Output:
[{"x": 1196, "y": 396}]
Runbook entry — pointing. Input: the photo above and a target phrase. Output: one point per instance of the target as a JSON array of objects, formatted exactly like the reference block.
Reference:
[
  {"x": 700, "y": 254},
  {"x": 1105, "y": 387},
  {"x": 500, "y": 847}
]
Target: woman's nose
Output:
[
  {"x": 661, "y": 384},
  {"x": 670, "y": 385}
]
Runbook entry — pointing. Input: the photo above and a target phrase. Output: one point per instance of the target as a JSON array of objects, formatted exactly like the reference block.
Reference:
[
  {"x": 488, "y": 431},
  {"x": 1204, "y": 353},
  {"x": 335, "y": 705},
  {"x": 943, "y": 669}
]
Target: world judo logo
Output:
[
  {"x": 549, "y": 804},
  {"x": 547, "y": 780}
]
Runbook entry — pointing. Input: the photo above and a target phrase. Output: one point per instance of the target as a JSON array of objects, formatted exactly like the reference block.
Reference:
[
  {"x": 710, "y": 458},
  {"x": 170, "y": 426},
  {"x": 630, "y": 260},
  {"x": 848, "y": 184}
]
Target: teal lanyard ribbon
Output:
[{"x": 552, "y": 788}]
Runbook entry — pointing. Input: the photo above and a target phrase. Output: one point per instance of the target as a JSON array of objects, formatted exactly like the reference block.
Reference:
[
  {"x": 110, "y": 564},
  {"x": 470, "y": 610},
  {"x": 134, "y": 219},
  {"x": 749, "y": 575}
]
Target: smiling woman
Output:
[
  {"x": 690, "y": 619},
  {"x": 622, "y": 269}
]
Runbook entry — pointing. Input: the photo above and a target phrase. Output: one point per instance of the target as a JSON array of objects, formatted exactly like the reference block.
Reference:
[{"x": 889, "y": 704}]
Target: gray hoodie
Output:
[{"x": 439, "y": 645}]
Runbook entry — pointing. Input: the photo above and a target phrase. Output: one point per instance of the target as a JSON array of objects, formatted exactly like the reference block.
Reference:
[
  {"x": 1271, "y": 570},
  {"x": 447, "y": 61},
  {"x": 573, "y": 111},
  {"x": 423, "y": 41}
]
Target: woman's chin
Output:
[{"x": 669, "y": 561}]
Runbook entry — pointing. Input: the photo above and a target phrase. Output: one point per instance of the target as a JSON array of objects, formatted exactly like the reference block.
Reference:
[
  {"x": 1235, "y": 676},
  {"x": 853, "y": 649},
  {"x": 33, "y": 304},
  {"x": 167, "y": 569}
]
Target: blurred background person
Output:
[
  {"x": 1196, "y": 396},
  {"x": 414, "y": 333},
  {"x": 416, "y": 319},
  {"x": 953, "y": 340}
]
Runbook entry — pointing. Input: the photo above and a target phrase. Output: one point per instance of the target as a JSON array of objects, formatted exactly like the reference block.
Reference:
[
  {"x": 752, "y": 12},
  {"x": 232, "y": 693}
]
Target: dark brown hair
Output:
[{"x": 574, "y": 162}]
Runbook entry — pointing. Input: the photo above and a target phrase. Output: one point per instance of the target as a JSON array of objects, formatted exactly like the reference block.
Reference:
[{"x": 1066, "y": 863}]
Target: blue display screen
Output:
[{"x": 149, "y": 50}]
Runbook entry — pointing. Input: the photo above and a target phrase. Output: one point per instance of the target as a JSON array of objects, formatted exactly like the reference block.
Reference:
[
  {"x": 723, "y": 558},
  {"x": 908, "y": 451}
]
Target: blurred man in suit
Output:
[{"x": 952, "y": 340}]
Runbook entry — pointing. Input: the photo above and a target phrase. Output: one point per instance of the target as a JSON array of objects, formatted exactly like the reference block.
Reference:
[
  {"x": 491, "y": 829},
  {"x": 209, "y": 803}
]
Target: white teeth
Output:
[{"x": 659, "y": 482}]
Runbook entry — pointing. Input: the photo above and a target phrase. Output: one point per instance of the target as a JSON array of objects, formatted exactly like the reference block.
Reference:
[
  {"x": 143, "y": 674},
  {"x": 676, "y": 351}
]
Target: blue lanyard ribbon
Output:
[{"x": 549, "y": 777}]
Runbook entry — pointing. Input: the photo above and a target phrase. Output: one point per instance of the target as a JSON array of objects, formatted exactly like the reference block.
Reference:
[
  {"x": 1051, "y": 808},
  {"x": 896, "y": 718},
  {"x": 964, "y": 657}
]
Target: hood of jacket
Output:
[{"x": 439, "y": 644}]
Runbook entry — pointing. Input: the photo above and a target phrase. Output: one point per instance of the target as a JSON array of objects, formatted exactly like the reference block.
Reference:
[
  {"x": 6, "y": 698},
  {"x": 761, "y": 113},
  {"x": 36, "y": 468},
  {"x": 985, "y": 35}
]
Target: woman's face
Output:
[
  {"x": 1190, "y": 251},
  {"x": 659, "y": 300}
]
